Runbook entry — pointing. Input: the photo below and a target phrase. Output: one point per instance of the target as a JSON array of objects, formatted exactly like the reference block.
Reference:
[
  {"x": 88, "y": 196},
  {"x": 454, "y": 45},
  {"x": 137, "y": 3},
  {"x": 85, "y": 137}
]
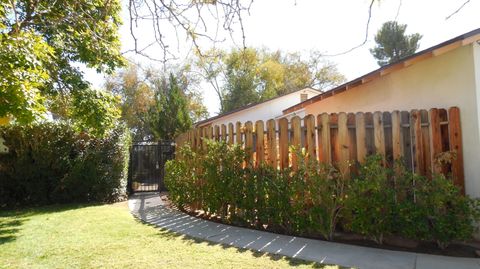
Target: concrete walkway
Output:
[{"x": 151, "y": 209}]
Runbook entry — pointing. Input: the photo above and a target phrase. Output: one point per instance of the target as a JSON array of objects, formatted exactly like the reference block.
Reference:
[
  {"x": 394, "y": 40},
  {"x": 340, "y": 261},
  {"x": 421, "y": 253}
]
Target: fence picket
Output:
[
  {"x": 324, "y": 147},
  {"x": 427, "y": 160},
  {"x": 361, "y": 137},
  {"x": 283, "y": 142},
  {"x": 238, "y": 133},
  {"x": 343, "y": 144},
  {"x": 296, "y": 140},
  {"x": 397, "y": 143},
  {"x": 352, "y": 138},
  {"x": 271, "y": 143},
  {"x": 416, "y": 129},
  {"x": 249, "y": 140},
  {"x": 230, "y": 134},
  {"x": 379, "y": 133},
  {"x": 224, "y": 132},
  {"x": 217, "y": 133},
  {"x": 259, "y": 147},
  {"x": 436, "y": 139},
  {"x": 455, "y": 133},
  {"x": 309, "y": 123}
]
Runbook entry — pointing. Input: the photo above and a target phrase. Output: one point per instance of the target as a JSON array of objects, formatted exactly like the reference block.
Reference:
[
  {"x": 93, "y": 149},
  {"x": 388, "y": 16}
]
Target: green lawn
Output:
[{"x": 107, "y": 236}]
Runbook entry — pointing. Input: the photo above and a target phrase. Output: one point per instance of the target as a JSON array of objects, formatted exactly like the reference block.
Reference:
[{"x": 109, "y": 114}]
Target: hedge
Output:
[
  {"x": 52, "y": 163},
  {"x": 316, "y": 200}
]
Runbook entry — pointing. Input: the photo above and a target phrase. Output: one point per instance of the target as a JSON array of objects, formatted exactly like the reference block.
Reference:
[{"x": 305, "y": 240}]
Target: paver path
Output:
[{"x": 151, "y": 209}]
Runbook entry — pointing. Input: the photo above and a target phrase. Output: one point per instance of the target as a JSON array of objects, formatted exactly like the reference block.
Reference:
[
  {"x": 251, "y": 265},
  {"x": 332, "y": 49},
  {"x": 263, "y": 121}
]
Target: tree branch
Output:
[
  {"x": 458, "y": 9},
  {"x": 366, "y": 35}
]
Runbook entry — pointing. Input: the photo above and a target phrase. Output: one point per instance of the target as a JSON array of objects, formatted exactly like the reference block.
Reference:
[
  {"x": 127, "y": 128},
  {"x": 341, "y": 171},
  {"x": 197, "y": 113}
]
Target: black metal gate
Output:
[{"x": 147, "y": 165}]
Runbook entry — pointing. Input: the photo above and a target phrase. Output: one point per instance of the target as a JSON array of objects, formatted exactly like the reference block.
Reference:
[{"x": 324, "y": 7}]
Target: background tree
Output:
[
  {"x": 245, "y": 76},
  {"x": 136, "y": 98},
  {"x": 393, "y": 44},
  {"x": 42, "y": 43},
  {"x": 169, "y": 116},
  {"x": 141, "y": 91}
]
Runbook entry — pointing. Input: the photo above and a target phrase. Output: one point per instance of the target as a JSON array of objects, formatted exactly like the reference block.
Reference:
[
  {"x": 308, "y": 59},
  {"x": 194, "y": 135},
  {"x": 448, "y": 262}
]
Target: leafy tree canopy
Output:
[
  {"x": 393, "y": 44},
  {"x": 41, "y": 44},
  {"x": 143, "y": 92},
  {"x": 169, "y": 117},
  {"x": 241, "y": 77}
]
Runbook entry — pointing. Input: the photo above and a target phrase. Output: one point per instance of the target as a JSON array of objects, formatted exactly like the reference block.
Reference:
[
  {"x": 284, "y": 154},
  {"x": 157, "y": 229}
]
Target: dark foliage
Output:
[{"x": 52, "y": 163}]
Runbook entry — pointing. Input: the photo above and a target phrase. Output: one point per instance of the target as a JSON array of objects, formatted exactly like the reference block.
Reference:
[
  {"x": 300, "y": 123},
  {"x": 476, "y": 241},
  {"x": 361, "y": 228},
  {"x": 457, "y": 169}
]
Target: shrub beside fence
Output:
[
  {"x": 316, "y": 200},
  {"x": 52, "y": 163},
  {"x": 418, "y": 137},
  {"x": 375, "y": 174}
]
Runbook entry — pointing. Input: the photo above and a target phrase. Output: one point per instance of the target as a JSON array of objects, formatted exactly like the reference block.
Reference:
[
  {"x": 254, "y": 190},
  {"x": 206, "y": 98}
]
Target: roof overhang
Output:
[
  {"x": 437, "y": 50},
  {"x": 251, "y": 106}
]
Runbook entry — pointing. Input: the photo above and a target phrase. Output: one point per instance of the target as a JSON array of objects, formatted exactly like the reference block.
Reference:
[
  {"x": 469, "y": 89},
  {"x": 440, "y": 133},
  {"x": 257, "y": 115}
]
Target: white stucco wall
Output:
[
  {"x": 264, "y": 111},
  {"x": 451, "y": 79}
]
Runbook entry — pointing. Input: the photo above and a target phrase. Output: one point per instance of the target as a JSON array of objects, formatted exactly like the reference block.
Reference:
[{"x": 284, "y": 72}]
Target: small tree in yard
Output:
[
  {"x": 393, "y": 44},
  {"x": 170, "y": 116}
]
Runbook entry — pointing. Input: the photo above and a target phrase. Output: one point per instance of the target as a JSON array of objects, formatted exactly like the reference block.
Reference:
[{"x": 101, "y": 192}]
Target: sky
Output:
[{"x": 328, "y": 26}]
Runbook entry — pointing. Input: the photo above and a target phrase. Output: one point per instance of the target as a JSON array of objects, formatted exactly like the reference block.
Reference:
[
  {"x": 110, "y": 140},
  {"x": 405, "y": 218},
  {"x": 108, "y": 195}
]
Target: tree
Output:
[
  {"x": 393, "y": 44},
  {"x": 169, "y": 116},
  {"x": 139, "y": 90},
  {"x": 136, "y": 99},
  {"x": 43, "y": 41},
  {"x": 23, "y": 73},
  {"x": 187, "y": 21},
  {"x": 96, "y": 111},
  {"x": 241, "y": 77}
]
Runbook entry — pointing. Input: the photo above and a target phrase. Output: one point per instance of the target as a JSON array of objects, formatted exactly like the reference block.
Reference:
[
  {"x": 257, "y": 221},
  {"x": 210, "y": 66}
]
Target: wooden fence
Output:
[{"x": 344, "y": 139}]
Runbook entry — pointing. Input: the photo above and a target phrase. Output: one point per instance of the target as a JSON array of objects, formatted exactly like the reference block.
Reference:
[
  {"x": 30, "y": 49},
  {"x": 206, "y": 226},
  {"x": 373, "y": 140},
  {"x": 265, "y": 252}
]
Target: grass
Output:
[{"x": 107, "y": 236}]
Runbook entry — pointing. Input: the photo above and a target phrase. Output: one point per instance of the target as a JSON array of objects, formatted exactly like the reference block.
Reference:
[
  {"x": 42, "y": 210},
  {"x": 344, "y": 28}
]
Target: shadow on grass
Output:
[{"x": 173, "y": 225}]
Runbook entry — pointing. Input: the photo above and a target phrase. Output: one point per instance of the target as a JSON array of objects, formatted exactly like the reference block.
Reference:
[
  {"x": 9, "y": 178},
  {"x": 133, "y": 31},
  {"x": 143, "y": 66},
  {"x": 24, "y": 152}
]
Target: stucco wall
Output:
[
  {"x": 442, "y": 81},
  {"x": 265, "y": 111}
]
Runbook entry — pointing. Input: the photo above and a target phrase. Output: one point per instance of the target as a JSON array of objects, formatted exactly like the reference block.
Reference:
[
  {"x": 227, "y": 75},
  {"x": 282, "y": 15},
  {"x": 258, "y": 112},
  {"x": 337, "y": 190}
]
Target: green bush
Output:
[
  {"x": 52, "y": 163},
  {"x": 450, "y": 215},
  {"x": 313, "y": 200},
  {"x": 370, "y": 204}
]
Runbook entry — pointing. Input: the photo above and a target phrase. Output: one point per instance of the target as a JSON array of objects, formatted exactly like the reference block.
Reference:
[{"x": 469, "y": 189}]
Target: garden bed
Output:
[{"x": 465, "y": 250}]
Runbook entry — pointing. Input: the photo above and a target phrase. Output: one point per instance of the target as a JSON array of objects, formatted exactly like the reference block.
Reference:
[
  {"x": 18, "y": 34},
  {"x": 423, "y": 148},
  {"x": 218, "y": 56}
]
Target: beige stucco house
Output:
[
  {"x": 442, "y": 76},
  {"x": 269, "y": 109}
]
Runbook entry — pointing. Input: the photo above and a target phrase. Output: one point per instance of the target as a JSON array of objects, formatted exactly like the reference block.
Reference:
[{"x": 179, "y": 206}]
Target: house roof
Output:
[
  {"x": 437, "y": 50},
  {"x": 249, "y": 106}
]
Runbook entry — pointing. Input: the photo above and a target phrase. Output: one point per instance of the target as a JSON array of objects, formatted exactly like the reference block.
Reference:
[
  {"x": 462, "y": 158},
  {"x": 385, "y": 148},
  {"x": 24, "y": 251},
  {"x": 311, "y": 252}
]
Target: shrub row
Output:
[
  {"x": 316, "y": 200},
  {"x": 52, "y": 163}
]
